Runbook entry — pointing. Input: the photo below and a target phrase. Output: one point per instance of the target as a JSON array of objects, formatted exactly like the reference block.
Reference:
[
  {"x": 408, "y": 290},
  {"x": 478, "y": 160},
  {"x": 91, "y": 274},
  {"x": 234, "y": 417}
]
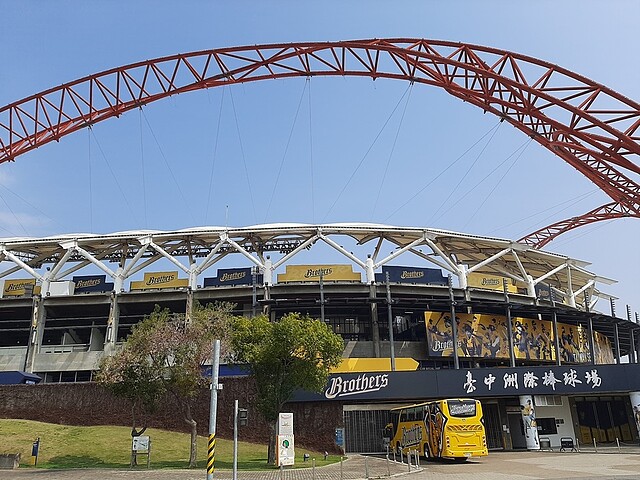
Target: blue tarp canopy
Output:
[{"x": 15, "y": 378}]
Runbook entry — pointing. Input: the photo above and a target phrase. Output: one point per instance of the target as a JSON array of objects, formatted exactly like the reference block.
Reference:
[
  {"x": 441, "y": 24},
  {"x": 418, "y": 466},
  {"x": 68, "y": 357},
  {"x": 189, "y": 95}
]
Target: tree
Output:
[
  {"x": 129, "y": 374},
  {"x": 296, "y": 352},
  {"x": 170, "y": 353}
]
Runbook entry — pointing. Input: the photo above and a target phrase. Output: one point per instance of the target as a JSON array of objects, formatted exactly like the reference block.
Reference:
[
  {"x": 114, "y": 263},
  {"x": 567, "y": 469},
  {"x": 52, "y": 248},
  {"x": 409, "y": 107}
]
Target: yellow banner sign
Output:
[
  {"x": 350, "y": 365},
  {"x": 19, "y": 287},
  {"x": 158, "y": 280},
  {"x": 312, "y": 273},
  {"x": 490, "y": 282}
]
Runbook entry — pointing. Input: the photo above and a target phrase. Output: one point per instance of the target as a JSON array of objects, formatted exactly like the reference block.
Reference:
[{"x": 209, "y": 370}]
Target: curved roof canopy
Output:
[{"x": 271, "y": 246}]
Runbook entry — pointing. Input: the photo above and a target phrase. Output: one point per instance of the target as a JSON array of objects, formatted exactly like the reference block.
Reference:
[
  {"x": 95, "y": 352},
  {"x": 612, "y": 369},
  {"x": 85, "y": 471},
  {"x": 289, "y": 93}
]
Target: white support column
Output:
[
  {"x": 370, "y": 270},
  {"x": 572, "y": 296},
  {"x": 118, "y": 280},
  {"x": 529, "y": 421},
  {"x": 46, "y": 282},
  {"x": 268, "y": 272},
  {"x": 462, "y": 276},
  {"x": 531, "y": 286},
  {"x": 193, "y": 276}
]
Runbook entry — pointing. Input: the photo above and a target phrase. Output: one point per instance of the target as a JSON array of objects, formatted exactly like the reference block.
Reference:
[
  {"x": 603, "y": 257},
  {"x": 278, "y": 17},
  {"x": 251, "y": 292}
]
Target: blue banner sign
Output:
[
  {"x": 92, "y": 283},
  {"x": 431, "y": 276},
  {"x": 232, "y": 276},
  {"x": 479, "y": 382}
]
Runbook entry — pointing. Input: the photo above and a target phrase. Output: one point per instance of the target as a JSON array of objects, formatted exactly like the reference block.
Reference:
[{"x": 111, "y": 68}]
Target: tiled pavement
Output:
[{"x": 607, "y": 464}]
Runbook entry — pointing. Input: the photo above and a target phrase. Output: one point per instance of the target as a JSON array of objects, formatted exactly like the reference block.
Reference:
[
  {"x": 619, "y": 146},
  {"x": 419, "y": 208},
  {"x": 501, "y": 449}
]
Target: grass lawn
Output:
[{"x": 63, "y": 446}]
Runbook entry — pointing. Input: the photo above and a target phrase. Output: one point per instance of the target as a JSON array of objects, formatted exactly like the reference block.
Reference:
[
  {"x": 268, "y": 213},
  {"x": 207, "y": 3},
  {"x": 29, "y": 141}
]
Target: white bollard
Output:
[
  {"x": 618, "y": 443},
  {"x": 366, "y": 468},
  {"x": 595, "y": 447}
]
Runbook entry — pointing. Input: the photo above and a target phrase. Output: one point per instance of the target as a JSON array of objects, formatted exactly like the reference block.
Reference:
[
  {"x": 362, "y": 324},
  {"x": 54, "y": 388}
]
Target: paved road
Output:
[{"x": 586, "y": 465}]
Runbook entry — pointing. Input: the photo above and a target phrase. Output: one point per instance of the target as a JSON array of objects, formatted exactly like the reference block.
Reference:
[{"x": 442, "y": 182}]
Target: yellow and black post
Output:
[
  {"x": 211, "y": 450},
  {"x": 211, "y": 454}
]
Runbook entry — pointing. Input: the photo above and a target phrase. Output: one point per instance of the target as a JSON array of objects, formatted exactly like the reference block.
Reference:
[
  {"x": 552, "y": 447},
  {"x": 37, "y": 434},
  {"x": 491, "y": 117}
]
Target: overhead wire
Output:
[
  {"x": 504, "y": 174},
  {"x": 454, "y": 189},
  {"x": 166, "y": 162},
  {"x": 244, "y": 160},
  {"x": 313, "y": 211},
  {"x": 115, "y": 177},
  {"x": 215, "y": 152},
  {"x": 286, "y": 150},
  {"x": 585, "y": 230},
  {"x": 410, "y": 199},
  {"x": 481, "y": 181},
  {"x": 393, "y": 147},
  {"x": 571, "y": 201},
  {"x": 15, "y": 218},
  {"x": 366, "y": 153},
  {"x": 90, "y": 186},
  {"x": 62, "y": 228},
  {"x": 144, "y": 188}
]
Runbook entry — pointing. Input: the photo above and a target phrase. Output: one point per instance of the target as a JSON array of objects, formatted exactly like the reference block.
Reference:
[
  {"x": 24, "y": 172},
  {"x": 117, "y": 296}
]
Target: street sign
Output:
[
  {"x": 285, "y": 423},
  {"x": 285, "y": 450},
  {"x": 140, "y": 443}
]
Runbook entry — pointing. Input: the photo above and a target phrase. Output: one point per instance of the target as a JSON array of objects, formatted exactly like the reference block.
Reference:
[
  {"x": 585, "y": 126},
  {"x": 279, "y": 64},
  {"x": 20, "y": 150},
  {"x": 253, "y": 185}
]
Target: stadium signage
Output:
[
  {"x": 479, "y": 383},
  {"x": 490, "y": 282},
  {"x": 312, "y": 273},
  {"x": 232, "y": 276},
  {"x": 340, "y": 386},
  {"x": 91, "y": 283},
  {"x": 18, "y": 287},
  {"x": 157, "y": 280},
  {"x": 399, "y": 274}
]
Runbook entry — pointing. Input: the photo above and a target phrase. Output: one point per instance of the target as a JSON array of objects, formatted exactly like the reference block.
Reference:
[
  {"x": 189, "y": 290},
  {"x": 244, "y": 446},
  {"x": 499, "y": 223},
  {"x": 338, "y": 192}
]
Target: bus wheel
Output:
[
  {"x": 398, "y": 449},
  {"x": 425, "y": 452}
]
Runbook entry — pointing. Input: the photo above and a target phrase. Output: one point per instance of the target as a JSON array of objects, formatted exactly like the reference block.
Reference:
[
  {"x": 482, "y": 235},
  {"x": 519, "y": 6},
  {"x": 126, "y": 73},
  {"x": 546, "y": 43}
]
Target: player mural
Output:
[
  {"x": 478, "y": 335},
  {"x": 485, "y": 336}
]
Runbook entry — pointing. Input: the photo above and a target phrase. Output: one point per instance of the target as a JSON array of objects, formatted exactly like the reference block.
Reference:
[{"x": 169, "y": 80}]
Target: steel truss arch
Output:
[{"x": 589, "y": 126}]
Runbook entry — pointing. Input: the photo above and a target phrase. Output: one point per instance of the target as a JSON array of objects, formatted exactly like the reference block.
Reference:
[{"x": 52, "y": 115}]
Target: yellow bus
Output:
[{"x": 451, "y": 428}]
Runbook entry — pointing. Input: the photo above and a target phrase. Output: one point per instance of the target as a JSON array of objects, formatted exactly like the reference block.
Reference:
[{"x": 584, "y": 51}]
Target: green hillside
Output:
[{"x": 63, "y": 446}]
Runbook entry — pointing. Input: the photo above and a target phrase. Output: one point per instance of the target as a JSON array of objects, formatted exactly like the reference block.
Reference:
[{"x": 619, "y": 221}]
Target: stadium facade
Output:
[{"x": 531, "y": 338}]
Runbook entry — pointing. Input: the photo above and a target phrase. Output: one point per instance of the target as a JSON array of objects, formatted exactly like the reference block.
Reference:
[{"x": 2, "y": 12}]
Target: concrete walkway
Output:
[{"x": 607, "y": 464}]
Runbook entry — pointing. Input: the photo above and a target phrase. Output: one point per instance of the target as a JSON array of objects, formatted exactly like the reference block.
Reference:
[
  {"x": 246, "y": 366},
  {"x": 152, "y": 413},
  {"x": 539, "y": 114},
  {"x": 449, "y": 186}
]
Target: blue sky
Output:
[{"x": 165, "y": 158}]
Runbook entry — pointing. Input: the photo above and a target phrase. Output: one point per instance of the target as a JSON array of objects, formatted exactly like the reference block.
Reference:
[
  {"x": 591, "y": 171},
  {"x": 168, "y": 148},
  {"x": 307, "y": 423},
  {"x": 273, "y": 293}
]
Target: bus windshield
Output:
[{"x": 462, "y": 408}]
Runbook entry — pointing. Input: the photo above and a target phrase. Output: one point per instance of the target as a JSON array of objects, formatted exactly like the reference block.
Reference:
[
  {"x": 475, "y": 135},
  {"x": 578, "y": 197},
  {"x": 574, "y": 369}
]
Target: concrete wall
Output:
[
  {"x": 90, "y": 404},
  {"x": 559, "y": 412},
  {"x": 68, "y": 361},
  {"x": 12, "y": 358}
]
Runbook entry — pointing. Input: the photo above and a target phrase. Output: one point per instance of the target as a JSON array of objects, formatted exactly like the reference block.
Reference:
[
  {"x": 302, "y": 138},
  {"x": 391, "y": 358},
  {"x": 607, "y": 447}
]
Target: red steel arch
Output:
[{"x": 589, "y": 126}]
